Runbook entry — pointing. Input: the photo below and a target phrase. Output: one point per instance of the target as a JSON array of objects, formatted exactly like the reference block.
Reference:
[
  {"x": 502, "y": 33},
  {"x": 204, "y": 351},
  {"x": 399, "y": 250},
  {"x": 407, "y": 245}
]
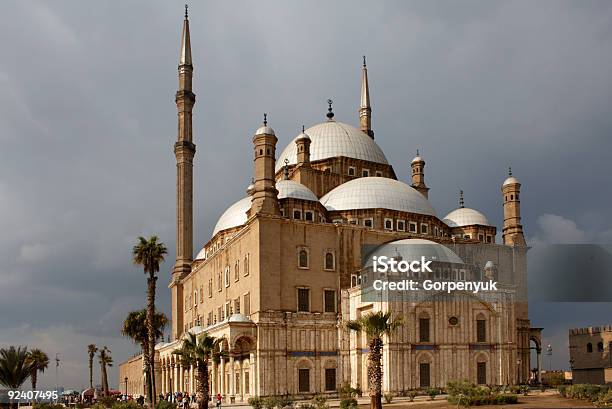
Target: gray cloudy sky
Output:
[{"x": 87, "y": 123}]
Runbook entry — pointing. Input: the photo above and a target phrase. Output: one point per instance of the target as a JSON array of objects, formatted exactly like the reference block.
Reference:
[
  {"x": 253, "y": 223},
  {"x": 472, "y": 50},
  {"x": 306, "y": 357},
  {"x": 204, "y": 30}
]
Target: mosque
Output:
[{"x": 283, "y": 272}]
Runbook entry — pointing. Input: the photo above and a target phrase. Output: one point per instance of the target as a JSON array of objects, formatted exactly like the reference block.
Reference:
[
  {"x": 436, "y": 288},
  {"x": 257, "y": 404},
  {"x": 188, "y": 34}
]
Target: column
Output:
[
  {"x": 176, "y": 377},
  {"x": 539, "y": 354},
  {"x": 222, "y": 376},
  {"x": 163, "y": 379},
  {"x": 214, "y": 388},
  {"x": 232, "y": 378},
  {"x": 253, "y": 376}
]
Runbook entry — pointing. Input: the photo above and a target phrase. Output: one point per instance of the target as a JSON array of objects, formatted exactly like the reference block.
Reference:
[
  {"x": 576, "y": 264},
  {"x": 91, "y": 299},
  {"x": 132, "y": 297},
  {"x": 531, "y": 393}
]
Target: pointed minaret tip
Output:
[
  {"x": 365, "y": 88},
  {"x": 185, "y": 58}
]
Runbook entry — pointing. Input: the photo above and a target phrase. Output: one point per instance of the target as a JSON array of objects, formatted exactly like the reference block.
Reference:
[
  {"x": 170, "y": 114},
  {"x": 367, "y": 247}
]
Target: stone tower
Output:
[
  {"x": 303, "y": 149},
  {"x": 264, "y": 199},
  {"x": 512, "y": 232},
  {"x": 418, "y": 175},
  {"x": 365, "y": 110},
  {"x": 184, "y": 151}
]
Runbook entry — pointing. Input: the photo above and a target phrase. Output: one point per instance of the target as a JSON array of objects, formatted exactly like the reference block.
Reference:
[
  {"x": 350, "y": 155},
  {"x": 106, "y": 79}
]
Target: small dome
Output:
[
  {"x": 510, "y": 181},
  {"x": 377, "y": 193},
  {"x": 414, "y": 249},
  {"x": 302, "y": 136},
  {"x": 234, "y": 216},
  {"x": 294, "y": 190},
  {"x": 264, "y": 130},
  {"x": 417, "y": 159},
  {"x": 239, "y": 318},
  {"x": 331, "y": 139},
  {"x": 465, "y": 217}
]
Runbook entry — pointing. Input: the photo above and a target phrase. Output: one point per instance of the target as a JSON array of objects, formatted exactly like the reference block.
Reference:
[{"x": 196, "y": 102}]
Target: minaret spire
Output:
[
  {"x": 185, "y": 58},
  {"x": 461, "y": 203},
  {"x": 365, "y": 110},
  {"x": 184, "y": 151}
]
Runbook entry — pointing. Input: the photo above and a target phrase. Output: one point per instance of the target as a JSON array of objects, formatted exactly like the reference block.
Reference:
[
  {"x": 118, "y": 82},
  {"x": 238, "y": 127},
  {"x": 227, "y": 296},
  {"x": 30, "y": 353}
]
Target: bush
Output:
[
  {"x": 133, "y": 405},
  {"x": 412, "y": 393},
  {"x": 320, "y": 402},
  {"x": 464, "y": 393},
  {"x": 347, "y": 391},
  {"x": 256, "y": 402},
  {"x": 48, "y": 406},
  {"x": 433, "y": 392},
  {"x": 562, "y": 390},
  {"x": 604, "y": 400},
  {"x": 388, "y": 397},
  {"x": 584, "y": 391},
  {"x": 348, "y": 403}
]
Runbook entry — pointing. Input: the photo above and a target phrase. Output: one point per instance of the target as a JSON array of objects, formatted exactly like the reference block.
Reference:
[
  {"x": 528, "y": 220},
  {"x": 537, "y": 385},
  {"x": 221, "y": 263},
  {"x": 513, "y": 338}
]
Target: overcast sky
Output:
[{"x": 88, "y": 120}]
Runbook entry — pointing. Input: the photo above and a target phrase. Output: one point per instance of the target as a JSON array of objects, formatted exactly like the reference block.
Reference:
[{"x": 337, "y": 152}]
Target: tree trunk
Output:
[
  {"x": 104, "y": 379},
  {"x": 151, "y": 329},
  {"x": 375, "y": 373},
  {"x": 145, "y": 365},
  {"x": 91, "y": 371},
  {"x": 202, "y": 386},
  {"x": 33, "y": 376}
]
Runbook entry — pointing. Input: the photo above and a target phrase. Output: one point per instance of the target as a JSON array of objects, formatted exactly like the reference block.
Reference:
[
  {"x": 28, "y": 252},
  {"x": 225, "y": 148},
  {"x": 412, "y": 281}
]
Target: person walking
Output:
[{"x": 219, "y": 398}]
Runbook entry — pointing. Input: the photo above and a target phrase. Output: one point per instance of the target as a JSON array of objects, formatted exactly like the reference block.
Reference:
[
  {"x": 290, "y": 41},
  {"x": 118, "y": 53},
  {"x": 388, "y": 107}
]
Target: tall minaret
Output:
[
  {"x": 264, "y": 199},
  {"x": 184, "y": 150},
  {"x": 418, "y": 175},
  {"x": 512, "y": 232},
  {"x": 365, "y": 111}
]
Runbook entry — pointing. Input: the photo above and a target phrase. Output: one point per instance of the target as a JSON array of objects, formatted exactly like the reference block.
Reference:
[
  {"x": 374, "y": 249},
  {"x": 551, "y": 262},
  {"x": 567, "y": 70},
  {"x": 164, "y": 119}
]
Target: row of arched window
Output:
[{"x": 600, "y": 347}]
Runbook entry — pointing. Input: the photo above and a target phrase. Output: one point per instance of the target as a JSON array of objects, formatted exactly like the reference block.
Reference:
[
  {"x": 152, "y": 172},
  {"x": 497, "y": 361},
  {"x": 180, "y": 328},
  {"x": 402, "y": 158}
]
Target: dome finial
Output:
[
  {"x": 509, "y": 170},
  {"x": 461, "y": 204},
  {"x": 364, "y": 61},
  {"x": 286, "y": 169},
  {"x": 418, "y": 152},
  {"x": 330, "y": 112},
  {"x": 186, "y": 11},
  {"x": 265, "y": 121},
  {"x": 303, "y": 129}
]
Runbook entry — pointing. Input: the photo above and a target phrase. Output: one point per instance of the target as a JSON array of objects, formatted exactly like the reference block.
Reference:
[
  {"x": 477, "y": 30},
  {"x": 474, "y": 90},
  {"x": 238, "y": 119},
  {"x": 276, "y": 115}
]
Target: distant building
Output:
[{"x": 591, "y": 354}]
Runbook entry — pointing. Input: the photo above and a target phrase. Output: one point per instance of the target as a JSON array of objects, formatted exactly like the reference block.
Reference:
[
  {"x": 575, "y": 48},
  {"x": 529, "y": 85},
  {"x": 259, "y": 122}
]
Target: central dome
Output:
[
  {"x": 332, "y": 139},
  {"x": 377, "y": 193}
]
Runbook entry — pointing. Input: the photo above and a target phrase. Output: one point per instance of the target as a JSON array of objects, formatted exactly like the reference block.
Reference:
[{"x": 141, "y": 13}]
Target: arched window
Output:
[
  {"x": 589, "y": 347},
  {"x": 329, "y": 261},
  {"x": 600, "y": 346},
  {"x": 481, "y": 328},
  {"x": 303, "y": 258}
]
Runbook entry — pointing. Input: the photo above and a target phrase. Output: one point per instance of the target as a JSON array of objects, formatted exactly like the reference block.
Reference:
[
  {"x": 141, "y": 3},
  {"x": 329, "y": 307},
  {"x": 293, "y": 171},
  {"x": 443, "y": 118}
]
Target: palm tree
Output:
[
  {"x": 39, "y": 361},
  {"x": 135, "y": 327},
  {"x": 91, "y": 350},
  {"x": 149, "y": 254},
  {"x": 105, "y": 360},
  {"x": 14, "y": 367},
  {"x": 199, "y": 351},
  {"x": 375, "y": 325}
]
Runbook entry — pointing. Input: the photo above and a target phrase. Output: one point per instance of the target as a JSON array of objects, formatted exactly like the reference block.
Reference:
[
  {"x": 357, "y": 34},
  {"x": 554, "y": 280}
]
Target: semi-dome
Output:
[
  {"x": 234, "y": 216},
  {"x": 465, "y": 216},
  {"x": 377, "y": 193},
  {"x": 332, "y": 139},
  {"x": 294, "y": 190},
  {"x": 414, "y": 249}
]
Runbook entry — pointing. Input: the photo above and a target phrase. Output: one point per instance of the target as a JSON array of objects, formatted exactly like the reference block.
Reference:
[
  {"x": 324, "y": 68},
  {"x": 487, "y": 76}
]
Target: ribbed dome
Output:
[
  {"x": 234, "y": 216},
  {"x": 331, "y": 139},
  {"x": 414, "y": 249},
  {"x": 465, "y": 217},
  {"x": 377, "y": 193},
  {"x": 294, "y": 190}
]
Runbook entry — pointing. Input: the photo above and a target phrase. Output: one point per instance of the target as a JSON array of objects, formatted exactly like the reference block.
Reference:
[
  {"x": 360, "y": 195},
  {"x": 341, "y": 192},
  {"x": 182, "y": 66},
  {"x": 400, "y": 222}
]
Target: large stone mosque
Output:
[{"x": 282, "y": 272}]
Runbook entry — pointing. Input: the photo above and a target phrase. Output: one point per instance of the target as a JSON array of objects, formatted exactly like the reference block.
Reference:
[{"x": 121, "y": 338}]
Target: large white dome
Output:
[
  {"x": 234, "y": 216},
  {"x": 377, "y": 193},
  {"x": 331, "y": 139},
  {"x": 465, "y": 217}
]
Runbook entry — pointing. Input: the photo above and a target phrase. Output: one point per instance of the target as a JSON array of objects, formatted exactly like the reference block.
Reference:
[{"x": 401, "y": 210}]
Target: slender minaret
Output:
[
  {"x": 365, "y": 111},
  {"x": 418, "y": 175},
  {"x": 303, "y": 149},
  {"x": 184, "y": 150},
  {"x": 512, "y": 232},
  {"x": 264, "y": 199}
]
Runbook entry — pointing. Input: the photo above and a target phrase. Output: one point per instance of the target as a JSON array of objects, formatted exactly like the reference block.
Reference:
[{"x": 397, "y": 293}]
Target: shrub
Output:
[
  {"x": 256, "y": 402},
  {"x": 320, "y": 402},
  {"x": 133, "y": 405},
  {"x": 412, "y": 393},
  {"x": 348, "y": 403},
  {"x": 562, "y": 390},
  {"x": 604, "y": 400},
  {"x": 433, "y": 392},
  {"x": 464, "y": 393},
  {"x": 48, "y": 406},
  {"x": 388, "y": 397},
  {"x": 347, "y": 391},
  {"x": 270, "y": 402}
]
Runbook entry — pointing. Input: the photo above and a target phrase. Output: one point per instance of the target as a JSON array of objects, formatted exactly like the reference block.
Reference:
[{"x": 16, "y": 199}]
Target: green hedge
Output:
[
  {"x": 464, "y": 393},
  {"x": 593, "y": 393}
]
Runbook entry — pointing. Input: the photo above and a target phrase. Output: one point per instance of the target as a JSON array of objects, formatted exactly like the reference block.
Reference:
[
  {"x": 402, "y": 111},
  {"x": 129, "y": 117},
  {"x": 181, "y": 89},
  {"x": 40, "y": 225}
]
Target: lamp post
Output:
[
  {"x": 549, "y": 353},
  {"x": 518, "y": 371}
]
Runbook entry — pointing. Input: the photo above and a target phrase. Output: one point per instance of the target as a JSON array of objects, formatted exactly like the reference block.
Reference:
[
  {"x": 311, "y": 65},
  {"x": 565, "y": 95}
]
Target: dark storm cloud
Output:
[{"x": 87, "y": 122}]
